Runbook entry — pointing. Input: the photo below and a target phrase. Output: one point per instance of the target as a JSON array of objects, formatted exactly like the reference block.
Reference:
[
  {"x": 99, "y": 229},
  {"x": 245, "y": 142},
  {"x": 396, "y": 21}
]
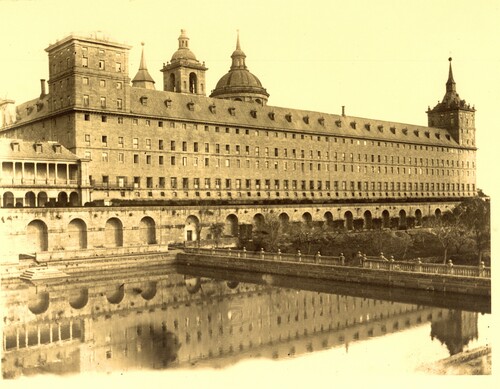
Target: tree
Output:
[
  {"x": 270, "y": 233},
  {"x": 216, "y": 230},
  {"x": 474, "y": 214},
  {"x": 448, "y": 231}
]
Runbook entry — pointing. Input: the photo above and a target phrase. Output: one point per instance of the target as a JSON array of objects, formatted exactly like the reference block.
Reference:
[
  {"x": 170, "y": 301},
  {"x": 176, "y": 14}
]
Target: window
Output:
[
  {"x": 103, "y": 102},
  {"x": 196, "y": 183},
  {"x": 118, "y": 66},
  {"x": 119, "y": 103},
  {"x": 148, "y": 143},
  {"x": 121, "y": 157},
  {"x": 161, "y": 182},
  {"x": 217, "y": 148},
  {"x": 207, "y": 162},
  {"x": 104, "y": 140},
  {"x": 228, "y": 148},
  {"x": 120, "y": 120},
  {"x": 160, "y": 144},
  {"x": 184, "y": 146},
  {"x": 102, "y": 83},
  {"x": 160, "y": 160},
  {"x": 118, "y": 85},
  {"x": 227, "y": 163},
  {"x": 85, "y": 62},
  {"x": 136, "y": 158},
  {"x": 172, "y": 160},
  {"x": 86, "y": 101},
  {"x": 87, "y": 139},
  {"x": 85, "y": 80},
  {"x": 173, "y": 182},
  {"x": 228, "y": 183},
  {"x": 195, "y": 147},
  {"x": 104, "y": 118},
  {"x": 148, "y": 159},
  {"x": 120, "y": 141},
  {"x": 102, "y": 64},
  {"x": 207, "y": 148},
  {"x": 207, "y": 183},
  {"x": 104, "y": 156},
  {"x": 185, "y": 183},
  {"x": 184, "y": 161},
  {"x": 149, "y": 182},
  {"x": 135, "y": 143}
]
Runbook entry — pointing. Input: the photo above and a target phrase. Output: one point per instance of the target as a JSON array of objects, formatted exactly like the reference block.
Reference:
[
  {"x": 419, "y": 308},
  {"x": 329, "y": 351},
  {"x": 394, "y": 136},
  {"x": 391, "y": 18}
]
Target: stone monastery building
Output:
[{"x": 98, "y": 138}]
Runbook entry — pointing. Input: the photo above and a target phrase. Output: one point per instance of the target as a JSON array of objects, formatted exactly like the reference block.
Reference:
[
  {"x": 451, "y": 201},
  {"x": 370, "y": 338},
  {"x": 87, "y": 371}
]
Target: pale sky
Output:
[{"x": 383, "y": 59}]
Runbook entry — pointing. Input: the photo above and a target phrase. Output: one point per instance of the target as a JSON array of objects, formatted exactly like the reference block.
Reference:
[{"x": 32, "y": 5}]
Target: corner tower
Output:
[
  {"x": 239, "y": 84},
  {"x": 454, "y": 115},
  {"x": 184, "y": 73}
]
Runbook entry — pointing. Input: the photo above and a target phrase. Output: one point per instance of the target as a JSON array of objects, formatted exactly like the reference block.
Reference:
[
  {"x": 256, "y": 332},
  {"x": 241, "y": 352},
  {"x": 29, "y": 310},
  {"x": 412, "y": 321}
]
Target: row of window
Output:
[
  {"x": 268, "y": 184},
  {"x": 286, "y": 135},
  {"x": 275, "y": 152},
  {"x": 103, "y": 104}
]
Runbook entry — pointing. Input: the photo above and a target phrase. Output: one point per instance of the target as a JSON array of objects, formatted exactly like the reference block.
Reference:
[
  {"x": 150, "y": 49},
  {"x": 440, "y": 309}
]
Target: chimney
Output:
[
  {"x": 343, "y": 110},
  {"x": 42, "y": 88}
]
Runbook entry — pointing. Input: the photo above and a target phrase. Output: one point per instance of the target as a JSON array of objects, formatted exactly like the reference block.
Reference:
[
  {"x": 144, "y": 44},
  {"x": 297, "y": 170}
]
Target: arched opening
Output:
[
  {"x": 172, "y": 86},
  {"x": 402, "y": 220},
  {"x": 231, "y": 227},
  {"x": 37, "y": 237},
  {"x": 77, "y": 234},
  {"x": 367, "y": 216},
  {"x": 193, "y": 83},
  {"x": 284, "y": 219},
  {"x": 42, "y": 199},
  {"x": 150, "y": 291},
  {"x": 147, "y": 230},
  {"x": 113, "y": 233},
  {"x": 307, "y": 218},
  {"x": 79, "y": 299},
  {"x": 437, "y": 213},
  {"x": 258, "y": 221},
  {"x": 328, "y": 219},
  {"x": 8, "y": 199},
  {"x": 418, "y": 217},
  {"x": 386, "y": 219},
  {"x": 348, "y": 220},
  {"x": 62, "y": 199},
  {"x": 30, "y": 199},
  {"x": 191, "y": 228},
  {"x": 193, "y": 284},
  {"x": 39, "y": 303},
  {"x": 116, "y": 295},
  {"x": 74, "y": 199}
]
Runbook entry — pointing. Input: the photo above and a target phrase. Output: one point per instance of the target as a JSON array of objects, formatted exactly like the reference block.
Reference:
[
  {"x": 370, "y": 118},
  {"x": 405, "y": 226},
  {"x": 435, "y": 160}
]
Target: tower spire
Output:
[
  {"x": 238, "y": 40},
  {"x": 238, "y": 55},
  {"x": 450, "y": 84},
  {"x": 143, "y": 79}
]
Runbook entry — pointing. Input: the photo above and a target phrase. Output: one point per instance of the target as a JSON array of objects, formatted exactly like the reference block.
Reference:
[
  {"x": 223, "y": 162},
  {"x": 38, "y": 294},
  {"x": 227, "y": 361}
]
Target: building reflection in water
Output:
[{"x": 160, "y": 319}]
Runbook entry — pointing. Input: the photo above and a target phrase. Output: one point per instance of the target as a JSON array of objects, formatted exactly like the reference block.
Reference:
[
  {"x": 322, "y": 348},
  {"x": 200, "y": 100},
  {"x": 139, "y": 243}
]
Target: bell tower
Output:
[
  {"x": 184, "y": 73},
  {"x": 454, "y": 115}
]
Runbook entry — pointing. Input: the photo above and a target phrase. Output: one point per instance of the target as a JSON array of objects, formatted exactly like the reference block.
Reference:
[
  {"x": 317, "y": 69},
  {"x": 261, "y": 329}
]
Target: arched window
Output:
[
  {"x": 77, "y": 234},
  {"x": 8, "y": 200},
  {"x": 193, "y": 83},
  {"x": 231, "y": 228},
  {"x": 348, "y": 220},
  {"x": 113, "y": 233},
  {"x": 147, "y": 230},
  {"x": 37, "y": 238}
]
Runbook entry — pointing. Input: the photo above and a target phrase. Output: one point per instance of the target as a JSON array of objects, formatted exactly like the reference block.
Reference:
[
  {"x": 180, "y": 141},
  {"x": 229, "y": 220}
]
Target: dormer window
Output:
[
  {"x": 338, "y": 123},
  {"x": 212, "y": 108},
  {"x": 306, "y": 119},
  {"x": 321, "y": 121},
  {"x": 39, "y": 106},
  {"x": 253, "y": 113},
  {"x": 29, "y": 110},
  {"x": 15, "y": 146},
  {"x": 232, "y": 111},
  {"x": 190, "y": 106},
  {"x": 271, "y": 115},
  {"x": 427, "y": 134},
  {"x": 405, "y": 131},
  {"x": 168, "y": 103},
  {"x": 57, "y": 148},
  {"x": 368, "y": 126},
  {"x": 416, "y": 132},
  {"x": 438, "y": 135},
  {"x": 393, "y": 130},
  {"x": 38, "y": 147},
  {"x": 381, "y": 128},
  {"x": 353, "y": 125},
  {"x": 448, "y": 136},
  {"x": 288, "y": 117},
  {"x": 144, "y": 100}
]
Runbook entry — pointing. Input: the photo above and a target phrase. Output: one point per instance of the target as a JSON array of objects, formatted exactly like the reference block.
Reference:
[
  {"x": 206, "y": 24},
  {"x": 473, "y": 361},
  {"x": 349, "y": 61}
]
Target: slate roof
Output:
[{"x": 27, "y": 151}]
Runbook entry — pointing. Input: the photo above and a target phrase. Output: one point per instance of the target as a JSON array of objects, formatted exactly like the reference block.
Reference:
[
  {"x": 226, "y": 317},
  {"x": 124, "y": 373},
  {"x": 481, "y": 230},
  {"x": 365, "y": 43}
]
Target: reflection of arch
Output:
[
  {"x": 368, "y": 220},
  {"x": 147, "y": 230},
  {"x": 39, "y": 304},
  {"x": 74, "y": 199},
  {"x": 29, "y": 199},
  {"x": 306, "y": 217},
  {"x": 232, "y": 284},
  {"x": 258, "y": 220},
  {"x": 437, "y": 212},
  {"x": 284, "y": 218},
  {"x": 113, "y": 232},
  {"x": 77, "y": 234},
  {"x": 193, "y": 83},
  {"x": 42, "y": 199},
  {"x": 191, "y": 228},
  {"x": 402, "y": 219},
  {"x": 116, "y": 296},
  {"x": 62, "y": 198},
  {"x": 418, "y": 217},
  {"x": 328, "y": 218},
  {"x": 386, "y": 219},
  {"x": 150, "y": 291},
  {"x": 37, "y": 236},
  {"x": 79, "y": 300},
  {"x": 348, "y": 220},
  {"x": 193, "y": 284},
  {"x": 8, "y": 199},
  {"x": 231, "y": 227}
]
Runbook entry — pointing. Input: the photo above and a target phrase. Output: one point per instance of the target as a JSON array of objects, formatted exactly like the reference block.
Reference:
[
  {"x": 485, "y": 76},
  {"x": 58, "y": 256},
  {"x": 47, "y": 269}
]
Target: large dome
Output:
[{"x": 239, "y": 83}]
